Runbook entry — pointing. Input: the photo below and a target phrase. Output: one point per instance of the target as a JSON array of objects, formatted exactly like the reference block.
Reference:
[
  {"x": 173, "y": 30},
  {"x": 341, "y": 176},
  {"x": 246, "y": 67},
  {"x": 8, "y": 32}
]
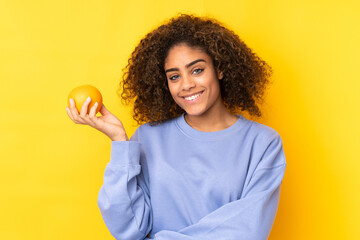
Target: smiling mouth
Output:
[{"x": 193, "y": 97}]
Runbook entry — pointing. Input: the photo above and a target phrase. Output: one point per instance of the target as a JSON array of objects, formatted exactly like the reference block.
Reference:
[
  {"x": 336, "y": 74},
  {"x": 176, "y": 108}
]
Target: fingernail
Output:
[
  {"x": 71, "y": 101},
  {"x": 88, "y": 99},
  {"x": 96, "y": 104}
]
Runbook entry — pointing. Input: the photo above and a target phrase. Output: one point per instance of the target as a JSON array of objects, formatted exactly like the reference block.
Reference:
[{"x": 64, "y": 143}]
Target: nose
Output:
[{"x": 188, "y": 83}]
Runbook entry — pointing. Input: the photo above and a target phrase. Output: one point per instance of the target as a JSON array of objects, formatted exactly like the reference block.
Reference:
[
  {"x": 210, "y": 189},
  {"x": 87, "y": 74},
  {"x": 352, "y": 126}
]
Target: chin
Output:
[{"x": 195, "y": 113}]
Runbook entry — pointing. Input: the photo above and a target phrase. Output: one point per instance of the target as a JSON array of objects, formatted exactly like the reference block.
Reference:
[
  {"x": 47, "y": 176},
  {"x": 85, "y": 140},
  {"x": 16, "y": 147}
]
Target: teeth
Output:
[{"x": 192, "y": 97}]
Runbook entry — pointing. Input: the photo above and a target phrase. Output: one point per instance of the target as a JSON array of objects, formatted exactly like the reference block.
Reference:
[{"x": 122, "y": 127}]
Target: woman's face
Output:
[{"x": 193, "y": 80}]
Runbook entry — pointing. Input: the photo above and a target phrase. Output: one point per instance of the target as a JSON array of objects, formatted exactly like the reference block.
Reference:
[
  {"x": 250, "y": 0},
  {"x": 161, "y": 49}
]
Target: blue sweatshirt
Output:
[{"x": 173, "y": 182}]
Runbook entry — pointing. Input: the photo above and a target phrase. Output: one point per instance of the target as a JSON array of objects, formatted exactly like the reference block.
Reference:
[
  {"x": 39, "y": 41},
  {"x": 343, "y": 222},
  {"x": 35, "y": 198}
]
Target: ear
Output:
[{"x": 220, "y": 74}]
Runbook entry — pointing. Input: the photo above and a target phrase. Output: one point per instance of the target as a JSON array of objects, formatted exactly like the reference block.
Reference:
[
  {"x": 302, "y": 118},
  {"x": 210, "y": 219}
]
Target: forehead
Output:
[{"x": 182, "y": 54}]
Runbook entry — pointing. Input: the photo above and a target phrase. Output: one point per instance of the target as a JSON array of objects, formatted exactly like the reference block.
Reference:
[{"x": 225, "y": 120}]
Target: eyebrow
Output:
[{"x": 187, "y": 65}]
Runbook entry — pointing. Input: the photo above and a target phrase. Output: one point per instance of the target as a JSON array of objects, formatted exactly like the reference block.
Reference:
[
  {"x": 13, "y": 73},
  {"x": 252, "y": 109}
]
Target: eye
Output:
[
  {"x": 174, "y": 77},
  {"x": 198, "y": 70}
]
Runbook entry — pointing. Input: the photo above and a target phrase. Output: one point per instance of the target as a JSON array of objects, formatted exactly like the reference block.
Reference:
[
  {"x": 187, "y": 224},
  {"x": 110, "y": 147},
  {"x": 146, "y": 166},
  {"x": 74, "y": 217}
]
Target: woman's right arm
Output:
[{"x": 123, "y": 199}]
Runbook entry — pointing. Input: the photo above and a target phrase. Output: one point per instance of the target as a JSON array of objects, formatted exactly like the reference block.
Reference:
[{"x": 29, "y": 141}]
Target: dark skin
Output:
[{"x": 191, "y": 75}]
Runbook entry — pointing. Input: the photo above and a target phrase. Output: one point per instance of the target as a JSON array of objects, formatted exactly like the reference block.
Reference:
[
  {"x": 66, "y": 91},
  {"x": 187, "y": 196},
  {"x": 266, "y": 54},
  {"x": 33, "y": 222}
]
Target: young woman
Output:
[{"x": 194, "y": 169}]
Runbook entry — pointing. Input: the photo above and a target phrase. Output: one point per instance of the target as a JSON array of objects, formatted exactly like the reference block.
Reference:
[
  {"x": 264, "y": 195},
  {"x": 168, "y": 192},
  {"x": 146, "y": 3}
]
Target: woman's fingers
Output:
[
  {"x": 103, "y": 110},
  {"x": 92, "y": 114},
  {"x": 84, "y": 107},
  {"x": 83, "y": 117},
  {"x": 69, "y": 113},
  {"x": 72, "y": 109},
  {"x": 92, "y": 111},
  {"x": 73, "y": 112}
]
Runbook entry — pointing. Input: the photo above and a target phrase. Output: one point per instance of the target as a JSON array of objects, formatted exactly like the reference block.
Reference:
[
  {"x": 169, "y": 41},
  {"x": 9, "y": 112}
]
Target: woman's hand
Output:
[{"x": 108, "y": 124}]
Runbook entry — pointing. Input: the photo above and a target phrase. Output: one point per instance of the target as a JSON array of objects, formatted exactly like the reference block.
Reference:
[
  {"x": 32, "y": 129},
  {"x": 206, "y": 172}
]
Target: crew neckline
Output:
[{"x": 191, "y": 132}]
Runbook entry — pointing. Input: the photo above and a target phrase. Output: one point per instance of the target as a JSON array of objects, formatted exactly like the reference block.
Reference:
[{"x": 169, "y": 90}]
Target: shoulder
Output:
[
  {"x": 268, "y": 145},
  {"x": 260, "y": 132},
  {"x": 152, "y": 130}
]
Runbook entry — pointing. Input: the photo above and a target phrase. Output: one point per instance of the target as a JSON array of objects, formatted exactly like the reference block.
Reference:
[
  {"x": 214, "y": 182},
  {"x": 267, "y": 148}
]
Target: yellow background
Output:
[{"x": 51, "y": 169}]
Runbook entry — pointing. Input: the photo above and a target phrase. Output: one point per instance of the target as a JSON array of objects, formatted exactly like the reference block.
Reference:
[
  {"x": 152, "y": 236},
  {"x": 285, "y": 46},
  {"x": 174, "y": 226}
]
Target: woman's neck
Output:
[{"x": 211, "y": 122}]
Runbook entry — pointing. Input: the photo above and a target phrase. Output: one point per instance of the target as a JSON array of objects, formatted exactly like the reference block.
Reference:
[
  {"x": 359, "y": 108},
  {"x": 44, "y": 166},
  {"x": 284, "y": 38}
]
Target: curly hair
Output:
[{"x": 245, "y": 75}]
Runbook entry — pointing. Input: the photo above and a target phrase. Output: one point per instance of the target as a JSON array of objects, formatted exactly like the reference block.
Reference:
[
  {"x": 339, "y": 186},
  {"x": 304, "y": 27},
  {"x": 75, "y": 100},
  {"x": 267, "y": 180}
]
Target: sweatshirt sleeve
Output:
[
  {"x": 249, "y": 218},
  {"x": 124, "y": 198}
]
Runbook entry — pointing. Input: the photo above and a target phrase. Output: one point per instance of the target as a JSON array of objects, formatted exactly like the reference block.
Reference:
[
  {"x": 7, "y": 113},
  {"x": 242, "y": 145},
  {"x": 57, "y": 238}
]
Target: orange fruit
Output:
[{"x": 81, "y": 93}]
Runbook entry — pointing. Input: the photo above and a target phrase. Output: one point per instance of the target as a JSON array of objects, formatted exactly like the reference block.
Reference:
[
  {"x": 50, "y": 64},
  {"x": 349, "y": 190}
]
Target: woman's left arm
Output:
[{"x": 251, "y": 217}]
